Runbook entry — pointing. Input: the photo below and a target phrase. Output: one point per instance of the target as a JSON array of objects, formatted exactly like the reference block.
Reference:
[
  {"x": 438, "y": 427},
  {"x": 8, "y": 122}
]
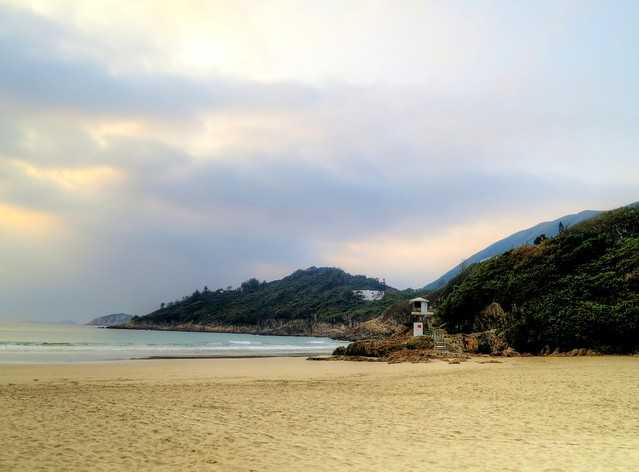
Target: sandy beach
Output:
[{"x": 281, "y": 414}]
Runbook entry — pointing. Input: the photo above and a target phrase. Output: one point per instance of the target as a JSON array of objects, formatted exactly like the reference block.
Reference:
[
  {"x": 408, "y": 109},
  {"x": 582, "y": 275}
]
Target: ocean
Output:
[{"x": 44, "y": 343}]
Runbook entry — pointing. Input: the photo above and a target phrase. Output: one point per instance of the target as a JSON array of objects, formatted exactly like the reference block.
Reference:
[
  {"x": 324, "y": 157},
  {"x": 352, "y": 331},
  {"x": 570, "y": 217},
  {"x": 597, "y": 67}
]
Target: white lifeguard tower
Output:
[{"x": 422, "y": 320}]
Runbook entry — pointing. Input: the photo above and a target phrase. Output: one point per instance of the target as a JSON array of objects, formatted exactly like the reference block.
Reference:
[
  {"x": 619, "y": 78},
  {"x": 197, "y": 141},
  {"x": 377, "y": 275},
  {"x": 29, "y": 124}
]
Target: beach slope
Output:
[{"x": 281, "y": 414}]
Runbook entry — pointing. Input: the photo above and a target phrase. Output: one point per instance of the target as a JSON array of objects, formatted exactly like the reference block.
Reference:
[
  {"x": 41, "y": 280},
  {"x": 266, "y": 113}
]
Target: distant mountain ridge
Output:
[
  {"x": 115, "y": 319},
  {"x": 520, "y": 238}
]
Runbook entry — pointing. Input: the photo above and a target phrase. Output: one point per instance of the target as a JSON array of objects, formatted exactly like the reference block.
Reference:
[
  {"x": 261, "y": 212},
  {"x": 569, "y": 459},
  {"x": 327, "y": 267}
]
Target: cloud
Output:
[
  {"x": 23, "y": 221},
  {"x": 37, "y": 72},
  {"x": 146, "y": 183}
]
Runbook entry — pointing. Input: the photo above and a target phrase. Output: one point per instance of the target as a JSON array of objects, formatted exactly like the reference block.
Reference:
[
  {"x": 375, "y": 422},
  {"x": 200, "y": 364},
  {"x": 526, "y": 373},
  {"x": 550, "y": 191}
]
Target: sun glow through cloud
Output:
[
  {"x": 25, "y": 222},
  {"x": 74, "y": 180}
]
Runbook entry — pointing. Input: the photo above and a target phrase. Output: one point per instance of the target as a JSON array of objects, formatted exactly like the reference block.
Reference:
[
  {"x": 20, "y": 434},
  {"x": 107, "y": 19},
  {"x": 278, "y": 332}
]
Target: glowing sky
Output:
[{"x": 150, "y": 148}]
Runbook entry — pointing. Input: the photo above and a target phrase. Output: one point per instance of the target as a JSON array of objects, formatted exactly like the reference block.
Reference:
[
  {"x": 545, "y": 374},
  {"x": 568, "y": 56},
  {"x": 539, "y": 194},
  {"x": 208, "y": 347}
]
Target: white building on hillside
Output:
[{"x": 369, "y": 295}]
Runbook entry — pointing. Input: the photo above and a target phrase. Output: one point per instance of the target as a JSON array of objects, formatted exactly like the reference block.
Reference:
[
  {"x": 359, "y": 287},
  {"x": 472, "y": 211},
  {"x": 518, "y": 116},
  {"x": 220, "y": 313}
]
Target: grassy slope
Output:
[{"x": 580, "y": 289}]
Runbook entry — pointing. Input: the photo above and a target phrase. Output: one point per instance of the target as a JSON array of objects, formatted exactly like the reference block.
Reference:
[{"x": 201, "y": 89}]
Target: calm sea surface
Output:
[{"x": 74, "y": 343}]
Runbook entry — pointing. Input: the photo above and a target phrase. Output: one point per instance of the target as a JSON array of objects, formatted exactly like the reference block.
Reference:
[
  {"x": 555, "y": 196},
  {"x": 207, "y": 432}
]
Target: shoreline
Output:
[
  {"x": 322, "y": 356},
  {"x": 311, "y": 357},
  {"x": 251, "y": 356},
  {"x": 168, "y": 358},
  {"x": 222, "y": 330}
]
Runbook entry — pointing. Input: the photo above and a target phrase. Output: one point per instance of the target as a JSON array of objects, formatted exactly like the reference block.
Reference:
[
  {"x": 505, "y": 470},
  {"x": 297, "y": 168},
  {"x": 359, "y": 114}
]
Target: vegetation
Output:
[
  {"x": 315, "y": 294},
  {"x": 577, "y": 290},
  {"x": 520, "y": 238}
]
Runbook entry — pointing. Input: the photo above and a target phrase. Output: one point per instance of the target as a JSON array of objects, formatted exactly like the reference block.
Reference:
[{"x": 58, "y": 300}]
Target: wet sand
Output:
[{"x": 289, "y": 414}]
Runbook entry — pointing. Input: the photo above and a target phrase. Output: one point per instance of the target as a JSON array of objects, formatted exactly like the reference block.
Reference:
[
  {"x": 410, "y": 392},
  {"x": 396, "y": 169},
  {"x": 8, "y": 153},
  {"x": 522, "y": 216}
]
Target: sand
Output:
[{"x": 289, "y": 414}]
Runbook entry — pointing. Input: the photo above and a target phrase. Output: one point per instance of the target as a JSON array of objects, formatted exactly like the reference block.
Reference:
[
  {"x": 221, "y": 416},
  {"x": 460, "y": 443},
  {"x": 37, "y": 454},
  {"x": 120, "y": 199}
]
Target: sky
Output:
[{"x": 150, "y": 148}]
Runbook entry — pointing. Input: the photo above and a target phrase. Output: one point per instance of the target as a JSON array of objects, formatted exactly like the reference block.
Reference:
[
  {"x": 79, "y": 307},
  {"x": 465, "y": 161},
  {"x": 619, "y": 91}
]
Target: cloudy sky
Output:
[{"x": 149, "y": 148}]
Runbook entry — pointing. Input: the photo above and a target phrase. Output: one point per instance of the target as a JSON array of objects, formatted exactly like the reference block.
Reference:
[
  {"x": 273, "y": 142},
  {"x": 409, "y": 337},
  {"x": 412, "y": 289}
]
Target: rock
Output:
[
  {"x": 455, "y": 343},
  {"x": 346, "y": 358},
  {"x": 340, "y": 351},
  {"x": 377, "y": 328},
  {"x": 370, "y": 348},
  {"x": 409, "y": 355},
  {"x": 509, "y": 352},
  {"x": 470, "y": 343},
  {"x": 485, "y": 342},
  {"x": 382, "y": 348},
  {"x": 419, "y": 342}
]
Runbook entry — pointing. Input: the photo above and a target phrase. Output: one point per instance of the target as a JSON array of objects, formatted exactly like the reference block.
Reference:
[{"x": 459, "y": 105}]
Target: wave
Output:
[{"x": 75, "y": 344}]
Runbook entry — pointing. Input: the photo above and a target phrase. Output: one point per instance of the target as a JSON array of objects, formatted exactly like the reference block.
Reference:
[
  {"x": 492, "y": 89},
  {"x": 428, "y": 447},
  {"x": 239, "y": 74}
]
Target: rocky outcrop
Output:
[
  {"x": 485, "y": 342},
  {"x": 384, "y": 347},
  {"x": 377, "y": 328},
  {"x": 406, "y": 348}
]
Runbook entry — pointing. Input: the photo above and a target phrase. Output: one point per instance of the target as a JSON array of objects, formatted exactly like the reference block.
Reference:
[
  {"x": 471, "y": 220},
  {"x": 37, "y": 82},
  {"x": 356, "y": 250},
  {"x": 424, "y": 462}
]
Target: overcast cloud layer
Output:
[{"x": 150, "y": 152}]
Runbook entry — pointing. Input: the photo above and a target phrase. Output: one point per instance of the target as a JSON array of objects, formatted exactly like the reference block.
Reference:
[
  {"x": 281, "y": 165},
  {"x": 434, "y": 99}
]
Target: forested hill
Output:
[
  {"x": 577, "y": 290},
  {"x": 286, "y": 306}
]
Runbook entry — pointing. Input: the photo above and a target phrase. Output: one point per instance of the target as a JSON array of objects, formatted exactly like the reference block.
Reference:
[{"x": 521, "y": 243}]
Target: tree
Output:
[
  {"x": 540, "y": 239},
  {"x": 251, "y": 285},
  {"x": 562, "y": 228},
  {"x": 162, "y": 305}
]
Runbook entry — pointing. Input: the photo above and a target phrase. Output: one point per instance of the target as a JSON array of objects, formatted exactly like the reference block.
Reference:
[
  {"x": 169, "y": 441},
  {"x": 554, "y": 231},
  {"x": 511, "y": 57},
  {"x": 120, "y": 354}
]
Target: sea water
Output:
[{"x": 39, "y": 343}]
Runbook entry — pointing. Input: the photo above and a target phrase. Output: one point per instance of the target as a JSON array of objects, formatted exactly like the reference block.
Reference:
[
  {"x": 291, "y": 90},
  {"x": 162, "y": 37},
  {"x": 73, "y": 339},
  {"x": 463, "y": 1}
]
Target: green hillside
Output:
[
  {"x": 315, "y": 294},
  {"x": 579, "y": 289}
]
